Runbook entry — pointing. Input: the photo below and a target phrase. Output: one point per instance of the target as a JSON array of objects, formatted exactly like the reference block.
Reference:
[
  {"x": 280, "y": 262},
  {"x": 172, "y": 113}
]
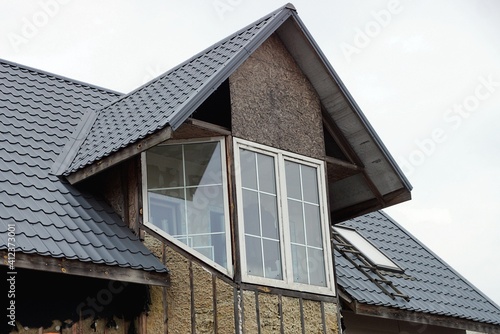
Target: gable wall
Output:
[{"x": 274, "y": 104}]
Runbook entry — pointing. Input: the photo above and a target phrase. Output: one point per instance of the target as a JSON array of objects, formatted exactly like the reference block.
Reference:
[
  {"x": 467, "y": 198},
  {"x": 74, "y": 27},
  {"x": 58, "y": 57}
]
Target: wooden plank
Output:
[
  {"x": 121, "y": 155},
  {"x": 288, "y": 293},
  {"x": 340, "y": 139},
  {"x": 79, "y": 268},
  {"x": 209, "y": 126},
  {"x": 424, "y": 318}
]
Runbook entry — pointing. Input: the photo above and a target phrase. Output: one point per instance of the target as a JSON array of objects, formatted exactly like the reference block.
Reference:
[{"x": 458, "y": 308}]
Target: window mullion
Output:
[{"x": 286, "y": 248}]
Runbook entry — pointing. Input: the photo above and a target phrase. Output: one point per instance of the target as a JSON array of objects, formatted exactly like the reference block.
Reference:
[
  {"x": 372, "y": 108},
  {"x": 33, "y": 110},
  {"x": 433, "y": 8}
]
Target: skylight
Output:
[{"x": 375, "y": 256}]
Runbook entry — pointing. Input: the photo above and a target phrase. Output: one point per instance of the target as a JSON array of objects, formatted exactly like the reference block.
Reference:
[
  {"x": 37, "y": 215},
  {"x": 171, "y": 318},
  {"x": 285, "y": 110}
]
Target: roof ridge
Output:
[
  {"x": 438, "y": 258},
  {"x": 61, "y": 77}
]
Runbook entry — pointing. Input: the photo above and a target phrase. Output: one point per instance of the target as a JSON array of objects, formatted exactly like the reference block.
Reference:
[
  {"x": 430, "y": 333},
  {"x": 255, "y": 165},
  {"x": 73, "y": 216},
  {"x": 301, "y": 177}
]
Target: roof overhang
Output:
[
  {"x": 88, "y": 269},
  {"x": 369, "y": 178},
  {"x": 416, "y": 317}
]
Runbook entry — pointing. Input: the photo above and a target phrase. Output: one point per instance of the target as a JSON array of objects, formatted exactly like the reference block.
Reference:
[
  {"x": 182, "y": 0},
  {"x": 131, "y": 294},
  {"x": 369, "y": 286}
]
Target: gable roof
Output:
[
  {"x": 370, "y": 180},
  {"x": 169, "y": 99},
  {"x": 38, "y": 112},
  {"x": 433, "y": 287}
]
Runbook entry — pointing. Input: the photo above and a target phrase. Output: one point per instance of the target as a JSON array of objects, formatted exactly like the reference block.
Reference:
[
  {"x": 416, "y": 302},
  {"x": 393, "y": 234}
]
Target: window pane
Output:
[
  {"x": 254, "y": 256},
  {"x": 269, "y": 216},
  {"x": 297, "y": 233},
  {"x": 267, "y": 180},
  {"x": 310, "y": 184},
  {"x": 316, "y": 267},
  {"x": 164, "y": 167},
  {"x": 186, "y": 196},
  {"x": 248, "y": 165},
  {"x": 166, "y": 211},
  {"x": 293, "y": 186},
  {"x": 272, "y": 258},
  {"x": 299, "y": 259},
  {"x": 313, "y": 225},
  {"x": 201, "y": 203},
  {"x": 251, "y": 212},
  {"x": 203, "y": 164}
]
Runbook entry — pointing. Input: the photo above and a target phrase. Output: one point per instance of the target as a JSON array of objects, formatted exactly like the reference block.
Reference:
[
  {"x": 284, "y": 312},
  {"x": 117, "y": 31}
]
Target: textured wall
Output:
[{"x": 273, "y": 103}]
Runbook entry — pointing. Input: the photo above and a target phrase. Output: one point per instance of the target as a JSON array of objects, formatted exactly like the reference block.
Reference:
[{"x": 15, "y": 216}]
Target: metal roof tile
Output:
[
  {"x": 432, "y": 285},
  {"x": 37, "y": 114},
  {"x": 168, "y": 99}
]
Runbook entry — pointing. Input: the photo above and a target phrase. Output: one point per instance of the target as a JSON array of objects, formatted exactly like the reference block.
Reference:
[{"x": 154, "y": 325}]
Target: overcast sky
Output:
[{"x": 425, "y": 73}]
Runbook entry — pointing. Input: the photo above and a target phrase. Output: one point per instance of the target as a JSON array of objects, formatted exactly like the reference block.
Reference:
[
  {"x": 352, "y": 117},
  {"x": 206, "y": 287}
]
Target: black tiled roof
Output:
[
  {"x": 166, "y": 100},
  {"x": 38, "y": 113},
  {"x": 432, "y": 285}
]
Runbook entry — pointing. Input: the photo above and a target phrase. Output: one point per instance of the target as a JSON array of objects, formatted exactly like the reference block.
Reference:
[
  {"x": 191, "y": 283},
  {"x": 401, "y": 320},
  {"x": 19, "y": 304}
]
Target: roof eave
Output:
[
  {"x": 421, "y": 317},
  {"x": 88, "y": 269}
]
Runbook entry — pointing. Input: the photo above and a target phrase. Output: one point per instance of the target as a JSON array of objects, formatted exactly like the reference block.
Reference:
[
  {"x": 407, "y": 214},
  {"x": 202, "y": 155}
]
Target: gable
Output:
[
  {"x": 368, "y": 180},
  {"x": 274, "y": 104}
]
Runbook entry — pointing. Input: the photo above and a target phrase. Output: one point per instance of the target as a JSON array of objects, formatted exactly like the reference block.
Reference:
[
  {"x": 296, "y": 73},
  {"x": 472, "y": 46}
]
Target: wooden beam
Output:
[
  {"x": 87, "y": 269},
  {"x": 339, "y": 138},
  {"x": 339, "y": 169},
  {"x": 425, "y": 318},
  {"x": 209, "y": 126},
  {"x": 121, "y": 155},
  {"x": 374, "y": 204}
]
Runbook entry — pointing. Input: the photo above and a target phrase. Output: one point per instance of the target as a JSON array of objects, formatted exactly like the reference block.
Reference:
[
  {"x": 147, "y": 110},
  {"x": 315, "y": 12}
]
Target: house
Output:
[{"x": 201, "y": 202}]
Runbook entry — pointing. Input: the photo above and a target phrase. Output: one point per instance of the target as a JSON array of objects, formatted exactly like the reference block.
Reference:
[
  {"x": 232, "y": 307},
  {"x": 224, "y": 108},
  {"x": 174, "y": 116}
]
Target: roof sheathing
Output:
[
  {"x": 38, "y": 112},
  {"x": 432, "y": 285},
  {"x": 171, "y": 98}
]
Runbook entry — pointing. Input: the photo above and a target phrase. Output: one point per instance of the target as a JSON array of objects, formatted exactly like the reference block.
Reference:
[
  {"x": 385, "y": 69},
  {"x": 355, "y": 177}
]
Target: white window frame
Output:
[
  {"x": 229, "y": 271},
  {"x": 285, "y": 239}
]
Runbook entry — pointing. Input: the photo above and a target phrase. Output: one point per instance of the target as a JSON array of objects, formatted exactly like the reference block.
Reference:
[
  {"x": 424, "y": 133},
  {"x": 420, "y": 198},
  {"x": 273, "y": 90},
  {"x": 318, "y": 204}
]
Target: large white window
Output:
[
  {"x": 283, "y": 219},
  {"x": 187, "y": 202}
]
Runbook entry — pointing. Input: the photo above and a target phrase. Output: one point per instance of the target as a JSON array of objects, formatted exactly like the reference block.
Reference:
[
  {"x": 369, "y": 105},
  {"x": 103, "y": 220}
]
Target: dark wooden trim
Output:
[
  {"x": 323, "y": 318},
  {"x": 220, "y": 130},
  {"x": 340, "y": 139},
  {"x": 121, "y": 155},
  {"x": 302, "y": 320},
  {"x": 395, "y": 197},
  {"x": 87, "y": 269},
  {"x": 280, "y": 312},
  {"x": 257, "y": 313},
  {"x": 424, "y": 318},
  {"x": 288, "y": 293},
  {"x": 214, "y": 302},
  {"x": 164, "y": 294},
  {"x": 233, "y": 209},
  {"x": 191, "y": 287},
  {"x": 338, "y": 169}
]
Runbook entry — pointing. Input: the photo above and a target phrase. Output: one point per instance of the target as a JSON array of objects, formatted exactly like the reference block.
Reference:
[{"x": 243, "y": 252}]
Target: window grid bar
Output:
[
  {"x": 258, "y": 190},
  {"x": 307, "y": 246},
  {"x": 260, "y": 212},
  {"x": 261, "y": 237},
  {"x": 185, "y": 187},
  {"x": 196, "y": 234},
  {"x": 303, "y": 201},
  {"x": 304, "y": 223}
]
